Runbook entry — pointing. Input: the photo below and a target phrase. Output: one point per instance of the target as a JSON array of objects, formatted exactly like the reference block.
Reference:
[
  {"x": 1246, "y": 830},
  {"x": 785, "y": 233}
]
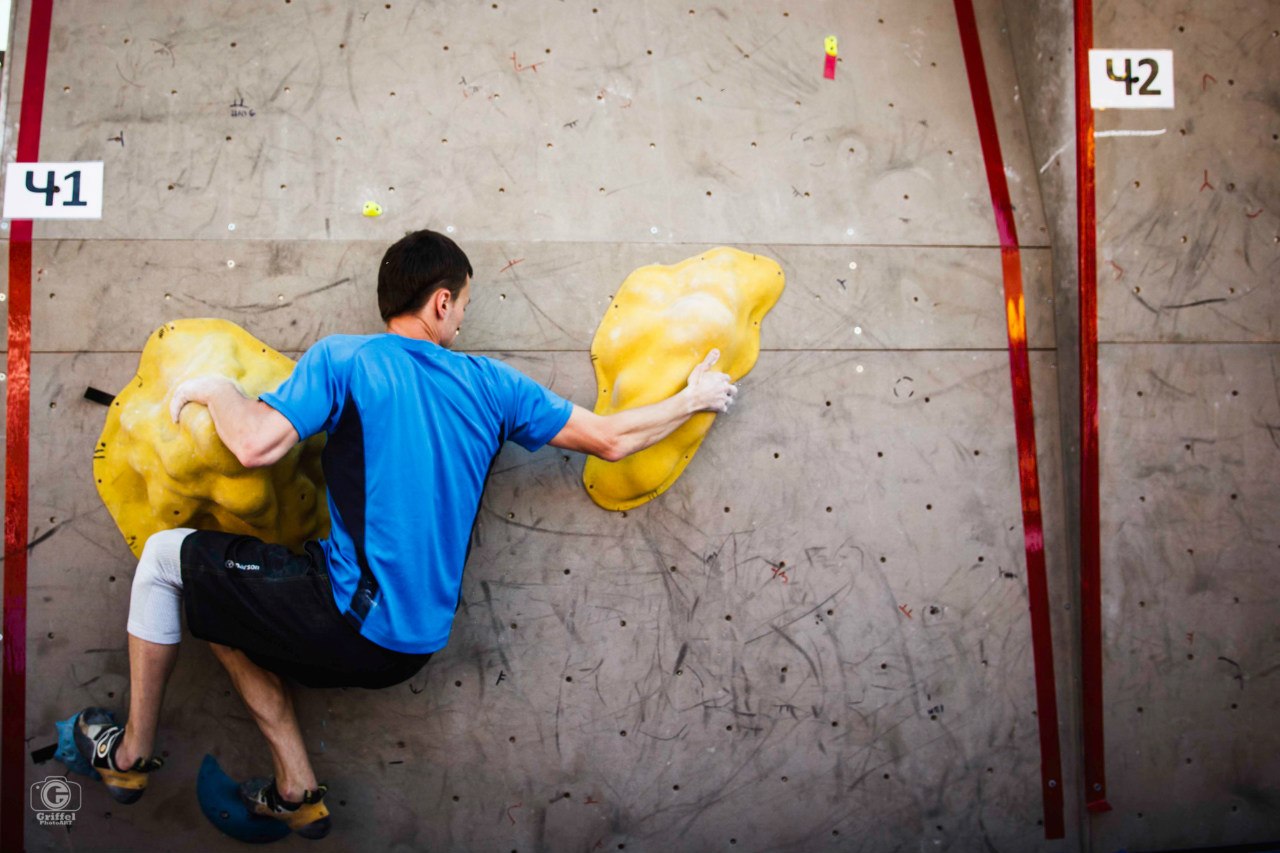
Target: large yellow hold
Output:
[
  {"x": 155, "y": 475},
  {"x": 662, "y": 323}
]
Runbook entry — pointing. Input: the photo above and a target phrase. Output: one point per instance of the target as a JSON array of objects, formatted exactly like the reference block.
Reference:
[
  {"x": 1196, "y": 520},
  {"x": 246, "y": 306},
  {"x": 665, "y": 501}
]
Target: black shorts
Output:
[{"x": 276, "y": 606}]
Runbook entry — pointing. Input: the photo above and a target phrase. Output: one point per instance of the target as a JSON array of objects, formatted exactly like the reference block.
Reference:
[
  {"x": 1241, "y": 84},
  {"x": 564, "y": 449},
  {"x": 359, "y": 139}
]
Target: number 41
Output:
[
  {"x": 1128, "y": 79},
  {"x": 50, "y": 188}
]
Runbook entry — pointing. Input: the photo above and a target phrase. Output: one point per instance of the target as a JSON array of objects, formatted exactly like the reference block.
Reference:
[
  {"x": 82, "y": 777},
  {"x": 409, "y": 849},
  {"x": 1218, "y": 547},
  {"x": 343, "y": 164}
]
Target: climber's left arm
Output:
[{"x": 257, "y": 434}]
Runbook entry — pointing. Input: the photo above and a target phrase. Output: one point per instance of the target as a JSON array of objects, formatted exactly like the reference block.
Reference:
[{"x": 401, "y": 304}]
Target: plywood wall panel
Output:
[
  {"x": 674, "y": 645},
  {"x": 526, "y": 296},
  {"x": 567, "y": 122}
]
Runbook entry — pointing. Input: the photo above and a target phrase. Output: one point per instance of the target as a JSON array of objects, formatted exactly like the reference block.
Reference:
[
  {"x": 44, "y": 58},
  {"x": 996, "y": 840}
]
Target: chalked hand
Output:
[
  {"x": 196, "y": 390},
  {"x": 711, "y": 391}
]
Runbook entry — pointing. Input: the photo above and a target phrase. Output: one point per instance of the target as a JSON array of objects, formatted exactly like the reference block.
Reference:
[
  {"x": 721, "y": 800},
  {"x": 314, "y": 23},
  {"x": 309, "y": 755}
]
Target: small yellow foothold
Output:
[
  {"x": 831, "y": 45},
  {"x": 372, "y": 208}
]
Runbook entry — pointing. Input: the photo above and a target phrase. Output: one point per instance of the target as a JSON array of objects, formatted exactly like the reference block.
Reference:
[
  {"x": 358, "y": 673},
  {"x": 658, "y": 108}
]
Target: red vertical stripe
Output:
[
  {"x": 13, "y": 794},
  {"x": 1095, "y": 779},
  {"x": 1024, "y": 423}
]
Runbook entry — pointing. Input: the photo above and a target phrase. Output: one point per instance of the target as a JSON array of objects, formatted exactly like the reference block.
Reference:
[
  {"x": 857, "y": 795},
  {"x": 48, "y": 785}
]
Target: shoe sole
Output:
[{"x": 315, "y": 830}]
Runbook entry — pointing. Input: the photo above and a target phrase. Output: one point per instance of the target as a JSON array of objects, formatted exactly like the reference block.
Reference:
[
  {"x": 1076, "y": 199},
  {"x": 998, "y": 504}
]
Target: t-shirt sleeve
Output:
[
  {"x": 312, "y": 397},
  {"x": 533, "y": 414}
]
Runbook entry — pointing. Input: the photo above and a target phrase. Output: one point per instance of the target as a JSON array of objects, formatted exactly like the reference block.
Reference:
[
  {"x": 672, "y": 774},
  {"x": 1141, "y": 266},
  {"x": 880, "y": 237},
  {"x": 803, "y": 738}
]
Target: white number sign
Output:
[
  {"x": 1131, "y": 79},
  {"x": 53, "y": 191}
]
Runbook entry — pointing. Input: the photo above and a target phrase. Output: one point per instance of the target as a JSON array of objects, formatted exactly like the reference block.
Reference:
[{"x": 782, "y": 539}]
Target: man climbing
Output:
[{"x": 412, "y": 429}]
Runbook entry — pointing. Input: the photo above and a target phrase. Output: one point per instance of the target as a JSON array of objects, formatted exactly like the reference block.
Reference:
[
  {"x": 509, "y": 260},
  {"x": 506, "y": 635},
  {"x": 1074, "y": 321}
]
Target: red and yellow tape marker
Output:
[
  {"x": 13, "y": 735},
  {"x": 1024, "y": 424}
]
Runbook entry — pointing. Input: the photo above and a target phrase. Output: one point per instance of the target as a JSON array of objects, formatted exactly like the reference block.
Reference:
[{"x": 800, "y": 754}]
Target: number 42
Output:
[
  {"x": 50, "y": 188},
  {"x": 1128, "y": 79}
]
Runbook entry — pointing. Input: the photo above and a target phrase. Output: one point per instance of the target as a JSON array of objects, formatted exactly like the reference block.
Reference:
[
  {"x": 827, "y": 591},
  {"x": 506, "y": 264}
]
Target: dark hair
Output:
[{"x": 417, "y": 266}]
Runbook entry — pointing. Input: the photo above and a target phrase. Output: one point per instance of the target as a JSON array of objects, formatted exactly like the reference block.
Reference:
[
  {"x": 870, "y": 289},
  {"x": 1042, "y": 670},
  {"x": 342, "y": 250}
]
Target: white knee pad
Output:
[{"x": 155, "y": 603}]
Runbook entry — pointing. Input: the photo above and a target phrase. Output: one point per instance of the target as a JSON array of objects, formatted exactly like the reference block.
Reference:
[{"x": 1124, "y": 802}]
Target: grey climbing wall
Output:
[
  {"x": 1188, "y": 248},
  {"x": 818, "y": 638},
  {"x": 1189, "y": 320}
]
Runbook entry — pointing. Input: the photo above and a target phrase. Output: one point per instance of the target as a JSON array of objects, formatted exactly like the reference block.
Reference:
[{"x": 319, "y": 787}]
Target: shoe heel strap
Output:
[{"x": 148, "y": 765}]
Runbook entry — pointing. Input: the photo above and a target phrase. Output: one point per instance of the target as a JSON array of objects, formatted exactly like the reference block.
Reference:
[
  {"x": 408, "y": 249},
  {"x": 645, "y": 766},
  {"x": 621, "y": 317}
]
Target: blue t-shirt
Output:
[{"x": 412, "y": 430}]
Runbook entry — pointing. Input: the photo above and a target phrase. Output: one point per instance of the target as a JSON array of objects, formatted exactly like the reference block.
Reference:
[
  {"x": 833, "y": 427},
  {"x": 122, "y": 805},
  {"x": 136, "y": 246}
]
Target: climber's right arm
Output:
[{"x": 257, "y": 434}]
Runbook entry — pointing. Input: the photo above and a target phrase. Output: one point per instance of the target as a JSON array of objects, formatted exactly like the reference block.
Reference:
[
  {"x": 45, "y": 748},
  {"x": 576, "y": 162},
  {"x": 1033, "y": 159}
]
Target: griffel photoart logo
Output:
[{"x": 55, "y": 801}]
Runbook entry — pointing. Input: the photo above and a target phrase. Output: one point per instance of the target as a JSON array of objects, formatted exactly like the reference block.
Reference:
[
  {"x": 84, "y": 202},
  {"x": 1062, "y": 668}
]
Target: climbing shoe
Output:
[
  {"x": 98, "y": 736},
  {"x": 309, "y": 818}
]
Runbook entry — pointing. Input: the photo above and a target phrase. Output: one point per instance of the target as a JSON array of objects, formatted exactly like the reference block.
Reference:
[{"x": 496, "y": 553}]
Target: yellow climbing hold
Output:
[
  {"x": 661, "y": 324},
  {"x": 371, "y": 208},
  {"x": 155, "y": 475}
]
